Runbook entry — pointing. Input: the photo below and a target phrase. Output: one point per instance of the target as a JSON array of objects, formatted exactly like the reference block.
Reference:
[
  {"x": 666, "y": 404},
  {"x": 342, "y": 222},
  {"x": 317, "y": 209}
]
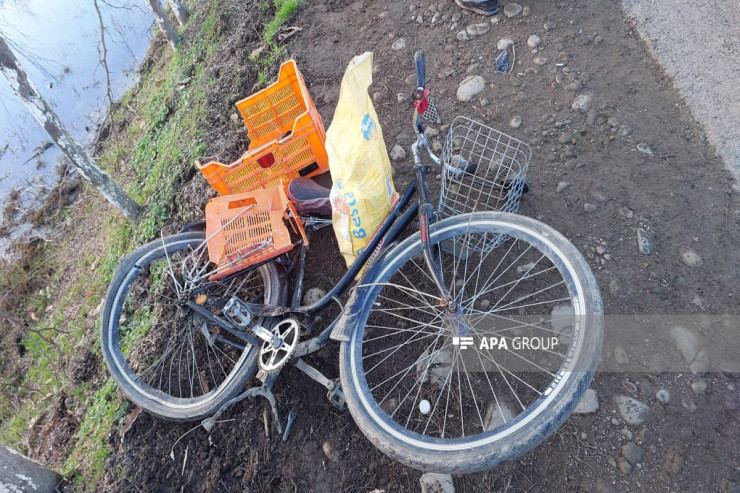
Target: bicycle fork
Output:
[{"x": 427, "y": 217}]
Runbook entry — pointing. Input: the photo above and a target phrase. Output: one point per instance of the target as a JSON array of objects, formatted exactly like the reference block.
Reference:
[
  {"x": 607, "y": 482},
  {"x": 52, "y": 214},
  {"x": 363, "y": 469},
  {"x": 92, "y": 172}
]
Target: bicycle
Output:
[{"x": 463, "y": 345}]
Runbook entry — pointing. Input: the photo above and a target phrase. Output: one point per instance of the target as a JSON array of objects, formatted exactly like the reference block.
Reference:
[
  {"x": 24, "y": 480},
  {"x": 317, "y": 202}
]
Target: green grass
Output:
[
  {"x": 156, "y": 148},
  {"x": 284, "y": 10},
  {"x": 87, "y": 461},
  {"x": 162, "y": 150}
]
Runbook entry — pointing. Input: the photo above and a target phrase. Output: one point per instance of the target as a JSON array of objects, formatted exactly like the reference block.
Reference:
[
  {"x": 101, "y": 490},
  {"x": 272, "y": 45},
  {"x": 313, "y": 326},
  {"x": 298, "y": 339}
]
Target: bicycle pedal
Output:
[{"x": 336, "y": 397}]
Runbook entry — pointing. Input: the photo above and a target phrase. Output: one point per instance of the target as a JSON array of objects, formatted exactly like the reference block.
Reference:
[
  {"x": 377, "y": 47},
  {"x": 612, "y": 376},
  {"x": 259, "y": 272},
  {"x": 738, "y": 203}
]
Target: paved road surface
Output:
[{"x": 698, "y": 43}]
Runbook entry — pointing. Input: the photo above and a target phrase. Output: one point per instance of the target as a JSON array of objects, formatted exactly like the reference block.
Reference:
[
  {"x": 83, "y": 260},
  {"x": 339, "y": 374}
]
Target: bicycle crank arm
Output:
[
  {"x": 335, "y": 394},
  {"x": 314, "y": 374}
]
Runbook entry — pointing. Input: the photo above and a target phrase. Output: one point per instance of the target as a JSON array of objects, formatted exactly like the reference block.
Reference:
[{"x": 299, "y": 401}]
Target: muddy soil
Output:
[{"x": 588, "y": 178}]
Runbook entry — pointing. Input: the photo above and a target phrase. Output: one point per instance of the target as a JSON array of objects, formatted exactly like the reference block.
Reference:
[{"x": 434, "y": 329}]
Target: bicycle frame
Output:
[{"x": 401, "y": 214}]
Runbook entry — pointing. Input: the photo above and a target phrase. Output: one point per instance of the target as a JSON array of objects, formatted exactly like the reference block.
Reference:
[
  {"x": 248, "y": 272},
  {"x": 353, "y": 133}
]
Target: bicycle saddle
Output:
[{"x": 309, "y": 197}]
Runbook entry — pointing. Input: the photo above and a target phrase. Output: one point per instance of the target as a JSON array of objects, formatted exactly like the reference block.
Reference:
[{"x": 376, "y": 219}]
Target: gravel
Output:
[
  {"x": 645, "y": 149},
  {"x": 478, "y": 29},
  {"x": 512, "y": 9},
  {"x": 504, "y": 43},
  {"x": 399, "y": 44},
  {"x": 397, "y": 153},
  {"x": 436, "y": 483},
  {"x": 313, "y": 295},
  {"x": 632, "y": 452},
  {"x": 589, "y": 403},
  {"x": 469, "y": 87},
  {"x": 663, "y": 396},
  {"x": 645, "y": 241},
  {"x": 690, "y": 257},
  {"x": 686, "y": 341},
  {"x": 582, "y": 103},
  {"x": 699, "y": 387},
  {"x": 631, "y": 410}
]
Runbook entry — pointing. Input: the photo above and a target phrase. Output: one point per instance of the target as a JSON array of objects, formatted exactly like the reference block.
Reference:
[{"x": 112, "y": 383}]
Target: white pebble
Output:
[
  {"x": 663, "y": 396},
  {"x": 504, "y": 43}
]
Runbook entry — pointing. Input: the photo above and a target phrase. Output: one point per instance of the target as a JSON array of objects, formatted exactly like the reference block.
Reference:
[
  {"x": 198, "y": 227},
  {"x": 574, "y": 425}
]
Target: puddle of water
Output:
[{"x": 57, "y": 44}]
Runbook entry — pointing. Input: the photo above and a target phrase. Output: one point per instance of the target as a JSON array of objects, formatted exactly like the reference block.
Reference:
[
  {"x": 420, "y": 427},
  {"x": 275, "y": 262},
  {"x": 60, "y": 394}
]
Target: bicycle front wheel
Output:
[
  {"x": 167, "y": 358},
  {"x": 462, "y": 392}
]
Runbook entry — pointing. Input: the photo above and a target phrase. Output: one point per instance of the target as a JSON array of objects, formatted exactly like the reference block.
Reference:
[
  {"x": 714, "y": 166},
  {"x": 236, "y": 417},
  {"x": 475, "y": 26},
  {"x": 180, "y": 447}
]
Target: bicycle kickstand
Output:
[{"x": 265, "y": 390}]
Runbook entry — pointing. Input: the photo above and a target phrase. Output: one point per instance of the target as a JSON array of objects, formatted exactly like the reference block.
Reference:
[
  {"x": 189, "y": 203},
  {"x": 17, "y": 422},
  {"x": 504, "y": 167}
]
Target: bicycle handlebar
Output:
[
  {"x": 420, "y": 69},
  {"x": 421, "y": 140}
]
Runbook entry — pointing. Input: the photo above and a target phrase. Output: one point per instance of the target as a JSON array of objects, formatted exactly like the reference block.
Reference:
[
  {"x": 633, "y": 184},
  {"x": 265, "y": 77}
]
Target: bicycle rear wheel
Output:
[
  {"x": 166, "y": 358},
  {"x": 460, "y": 393}
]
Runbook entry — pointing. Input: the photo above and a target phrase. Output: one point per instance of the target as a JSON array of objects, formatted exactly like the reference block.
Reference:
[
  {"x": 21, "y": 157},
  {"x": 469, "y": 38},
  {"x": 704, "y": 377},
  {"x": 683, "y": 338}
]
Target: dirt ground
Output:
[{"x": 587, "y": 178}]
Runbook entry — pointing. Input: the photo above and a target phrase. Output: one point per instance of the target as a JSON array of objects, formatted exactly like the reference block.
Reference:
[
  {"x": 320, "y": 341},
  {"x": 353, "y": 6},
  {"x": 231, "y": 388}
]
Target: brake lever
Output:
[{"x": 422, "y": 100}]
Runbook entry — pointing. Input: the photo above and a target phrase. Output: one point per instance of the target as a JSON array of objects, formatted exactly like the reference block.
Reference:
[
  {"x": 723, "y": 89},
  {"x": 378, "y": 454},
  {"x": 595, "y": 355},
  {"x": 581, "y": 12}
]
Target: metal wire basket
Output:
[{"x": 483, "y": 170}]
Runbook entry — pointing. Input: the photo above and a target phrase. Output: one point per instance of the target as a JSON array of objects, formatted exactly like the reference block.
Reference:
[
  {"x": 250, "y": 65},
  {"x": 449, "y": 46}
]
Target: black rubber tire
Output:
[
  {"x": 141, "y": 394},
  {"x": 531, "y": 427}
]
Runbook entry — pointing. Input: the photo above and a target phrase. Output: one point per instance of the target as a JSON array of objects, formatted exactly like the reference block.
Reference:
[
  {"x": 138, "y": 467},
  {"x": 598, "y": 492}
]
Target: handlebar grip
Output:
[{"x": 420, "y": 69}]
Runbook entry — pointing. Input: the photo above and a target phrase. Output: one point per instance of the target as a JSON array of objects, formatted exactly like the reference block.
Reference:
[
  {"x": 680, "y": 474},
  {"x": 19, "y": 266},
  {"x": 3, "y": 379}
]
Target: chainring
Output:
[{"x": 272, "y": 358}]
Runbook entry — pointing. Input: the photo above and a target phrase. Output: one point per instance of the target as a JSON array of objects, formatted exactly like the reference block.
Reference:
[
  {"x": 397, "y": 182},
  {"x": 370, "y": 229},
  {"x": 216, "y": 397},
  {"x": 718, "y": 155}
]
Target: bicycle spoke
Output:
[
  {"x": 170, "y": 350},
  {"x": 395, "y": 350},
  {"x": 422, "y": 378},
  {"x": 472, "y": 392}
]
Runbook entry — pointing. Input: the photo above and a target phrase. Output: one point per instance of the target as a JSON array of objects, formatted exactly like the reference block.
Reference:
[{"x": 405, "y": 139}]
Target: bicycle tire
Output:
[
  {"x": 129, "y": 302},
  {"x": 393, "y": 423}
]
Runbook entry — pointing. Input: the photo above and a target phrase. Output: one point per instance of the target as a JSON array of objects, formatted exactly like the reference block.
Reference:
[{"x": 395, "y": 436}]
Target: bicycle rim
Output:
[
  {"x": 442, "y": 382},
  {"x": 167, "y": 358}
]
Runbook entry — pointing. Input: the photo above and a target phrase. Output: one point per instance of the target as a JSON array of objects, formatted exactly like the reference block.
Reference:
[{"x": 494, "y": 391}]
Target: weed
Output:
[
  {"x": 157, "y": 147},
  {"x": 284, "y": 10},
  {"x": 91, "y": 449}
]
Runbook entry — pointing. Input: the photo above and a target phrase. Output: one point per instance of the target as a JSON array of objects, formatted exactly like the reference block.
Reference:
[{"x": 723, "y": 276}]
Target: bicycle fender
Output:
[
  {"x": 348, "y": 319},
  {"x": 194, "y": 226},
  {"x": 347, "y": 322}
]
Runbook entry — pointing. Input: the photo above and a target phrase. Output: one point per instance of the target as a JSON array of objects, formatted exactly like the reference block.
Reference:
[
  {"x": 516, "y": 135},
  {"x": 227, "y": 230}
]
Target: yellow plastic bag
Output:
[{"x": 363, "y": 192}]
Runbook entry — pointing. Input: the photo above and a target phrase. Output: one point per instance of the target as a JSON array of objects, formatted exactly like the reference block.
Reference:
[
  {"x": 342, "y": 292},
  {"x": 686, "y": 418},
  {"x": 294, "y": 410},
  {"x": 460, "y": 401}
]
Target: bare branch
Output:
[
  {"x": 103, "y": 55},
  {"x": 123, "y": 7}
]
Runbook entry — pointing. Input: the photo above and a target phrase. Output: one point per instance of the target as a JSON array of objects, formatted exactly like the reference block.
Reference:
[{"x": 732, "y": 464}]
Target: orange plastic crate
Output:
[
  {"x": 248, "y": 229},
  {"x": 272, "y": 112},
  {"x": 286, "y": 138}
]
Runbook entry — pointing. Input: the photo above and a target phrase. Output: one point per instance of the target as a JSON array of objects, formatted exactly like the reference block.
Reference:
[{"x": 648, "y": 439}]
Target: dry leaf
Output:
[
  {"x": 130, "y": 421},
  {"x": 257, "y": 52},
  {"x": 288, "y": 32},
  {"x": 204, "y": 383}
]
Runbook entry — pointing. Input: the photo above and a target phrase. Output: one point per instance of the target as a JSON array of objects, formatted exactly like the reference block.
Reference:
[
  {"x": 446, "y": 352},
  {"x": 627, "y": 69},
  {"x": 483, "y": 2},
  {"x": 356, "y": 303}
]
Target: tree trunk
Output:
[
  {"x": 181, "y": 12},
  {"x": 42, "y": 112},
  {"x": 164, "y": 23},
  {"x": 19, "y": 473}
]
